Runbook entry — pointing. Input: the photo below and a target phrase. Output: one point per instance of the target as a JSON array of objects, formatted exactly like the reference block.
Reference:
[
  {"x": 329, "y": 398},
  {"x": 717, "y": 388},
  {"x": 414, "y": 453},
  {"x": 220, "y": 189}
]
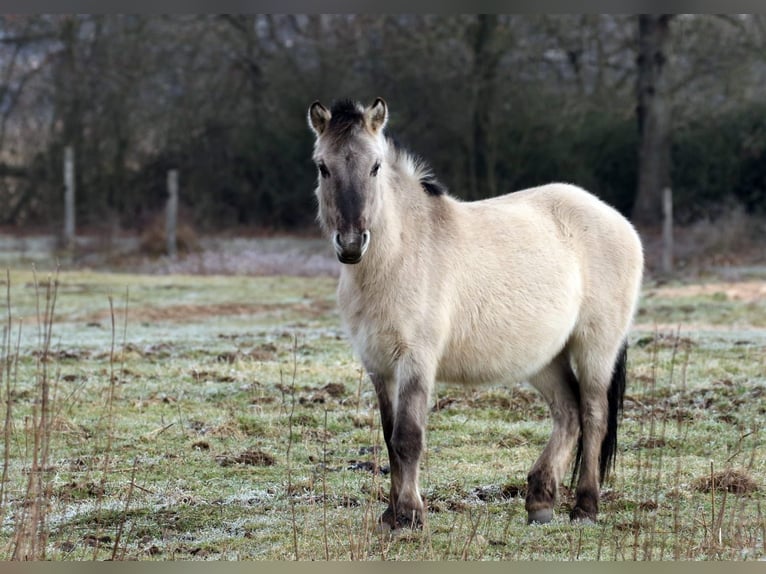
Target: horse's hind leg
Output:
[
  {"x": 593, "y": 403},
  {"x": 600, "y": 370},
  {"x": 558, "y": 385}
]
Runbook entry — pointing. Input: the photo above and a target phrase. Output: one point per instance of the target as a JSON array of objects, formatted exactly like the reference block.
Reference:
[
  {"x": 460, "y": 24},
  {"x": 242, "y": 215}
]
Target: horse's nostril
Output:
[
  {"x": 336, "y": 240},
  {"x": 365, "y": 239}
]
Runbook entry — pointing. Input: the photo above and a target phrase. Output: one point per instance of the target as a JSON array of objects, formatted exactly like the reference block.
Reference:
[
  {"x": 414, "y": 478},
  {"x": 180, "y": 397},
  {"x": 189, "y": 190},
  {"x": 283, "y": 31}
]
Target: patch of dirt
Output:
[
  {"x": 81, "y": 464},
  {"x": 95, "y": 540},
  {"x": 736, "y": 481},
  {"x": 64, "y": 354},
  {"x": 323, "y": 394},
  {"x": 79, "y": 491},
  {"x": 226, "y": 430},
  {"x": 227, "y": 357},
  {"x": 265, "y": 400},
  {"x": 131, "y": 350},
  {"x": 318, "y": 398},
  {"x": 362, "y": 421},
  {"x": 335, "y": 390},
  {"x": 746, "y": 291},
  {"x": 249, "y": 457},
  {"x": 495, "y": 493},
  {"x": 197, "y": 551},
  {"x": 200, "y": 376},
  {"x": 443, "y": 403},
  {"x": 368, "y": 466},
  {"x": 666, "y": 340},
  {"x": 264, "y": 352},
  {"x": 648, "y": 505},
  {"x": 346, "y": 501},
  {"x": 652, "y": 442}
]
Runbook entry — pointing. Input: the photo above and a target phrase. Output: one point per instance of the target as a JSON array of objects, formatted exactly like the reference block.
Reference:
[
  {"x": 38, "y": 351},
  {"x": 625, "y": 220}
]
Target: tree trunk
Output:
[
  {"x": 654, "y": 116},
  {"x": 484, "y": 156},
  {"x": 68, "y": 105}
]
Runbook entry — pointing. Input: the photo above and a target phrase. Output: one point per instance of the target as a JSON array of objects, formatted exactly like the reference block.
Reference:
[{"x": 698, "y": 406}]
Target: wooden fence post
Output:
[
  {"x": 69, "y": 203},
  {"x": 667, "y": 230},
  {"x": 171, "y": 213}
]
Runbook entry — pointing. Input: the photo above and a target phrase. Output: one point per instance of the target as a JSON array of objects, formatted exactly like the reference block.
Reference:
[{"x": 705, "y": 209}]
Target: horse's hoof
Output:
[
  {"x": 412, "y": 521},
  {"x": 386, "y": 522},
  {"x": 540, "y": 516}
]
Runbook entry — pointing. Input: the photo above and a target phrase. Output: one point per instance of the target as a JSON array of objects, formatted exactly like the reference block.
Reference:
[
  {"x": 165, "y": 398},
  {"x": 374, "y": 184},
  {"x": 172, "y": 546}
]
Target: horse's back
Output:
[
  {"x": 608, "y": 248},
  {"x": 603, "y": 237}
]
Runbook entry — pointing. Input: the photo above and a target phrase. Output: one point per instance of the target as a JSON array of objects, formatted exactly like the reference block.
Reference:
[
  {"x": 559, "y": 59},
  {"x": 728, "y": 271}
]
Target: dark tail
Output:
[{"x": 615, "y": 396}]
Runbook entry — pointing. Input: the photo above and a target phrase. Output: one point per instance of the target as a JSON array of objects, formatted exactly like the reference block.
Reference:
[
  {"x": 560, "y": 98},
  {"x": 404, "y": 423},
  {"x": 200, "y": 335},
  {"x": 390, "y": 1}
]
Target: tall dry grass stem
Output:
[
  {"x": 31, "y": 532},
  {"x": 291, "y": 414}
]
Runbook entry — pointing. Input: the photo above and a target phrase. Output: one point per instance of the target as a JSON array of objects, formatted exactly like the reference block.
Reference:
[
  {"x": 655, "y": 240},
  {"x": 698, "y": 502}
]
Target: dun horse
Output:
[{"x": 538, "y": 285}]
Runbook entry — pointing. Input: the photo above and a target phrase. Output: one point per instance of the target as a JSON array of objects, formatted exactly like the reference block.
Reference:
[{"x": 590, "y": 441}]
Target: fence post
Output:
[
  {"x": 69, "y": 203},
  {"x": 171, "y": 213},
  {"x": 667, "y": 230}
]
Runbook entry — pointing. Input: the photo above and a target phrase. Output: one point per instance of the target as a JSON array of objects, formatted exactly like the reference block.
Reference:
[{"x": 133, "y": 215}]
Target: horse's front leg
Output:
[
  {"x": 385, "y": 389},
  {"x": 404, "y": 410}
]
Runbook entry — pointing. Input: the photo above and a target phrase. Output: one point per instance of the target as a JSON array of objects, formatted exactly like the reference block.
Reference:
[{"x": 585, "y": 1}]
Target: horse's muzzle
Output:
[{"x": 350, "y": 247}]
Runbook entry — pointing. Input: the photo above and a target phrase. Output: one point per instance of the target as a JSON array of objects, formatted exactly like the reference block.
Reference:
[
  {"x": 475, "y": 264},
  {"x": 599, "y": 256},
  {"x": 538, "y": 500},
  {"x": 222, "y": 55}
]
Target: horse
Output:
[{"x": 539, "y": 285}]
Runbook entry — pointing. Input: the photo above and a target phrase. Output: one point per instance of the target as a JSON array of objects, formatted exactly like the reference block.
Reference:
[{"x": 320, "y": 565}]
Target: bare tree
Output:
[
  {"x": 486, "y": 57},
  {"x": 654, "y": 117}
]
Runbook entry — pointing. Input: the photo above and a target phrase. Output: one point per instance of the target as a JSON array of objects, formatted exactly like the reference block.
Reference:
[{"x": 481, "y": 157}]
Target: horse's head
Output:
[{"x": 349, "y": 154}]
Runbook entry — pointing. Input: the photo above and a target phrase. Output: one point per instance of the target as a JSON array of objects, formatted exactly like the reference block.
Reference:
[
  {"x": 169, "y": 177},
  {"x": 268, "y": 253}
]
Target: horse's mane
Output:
[
  {"x": 417, "y": 168},
  {"x": 345, "y": 116}
]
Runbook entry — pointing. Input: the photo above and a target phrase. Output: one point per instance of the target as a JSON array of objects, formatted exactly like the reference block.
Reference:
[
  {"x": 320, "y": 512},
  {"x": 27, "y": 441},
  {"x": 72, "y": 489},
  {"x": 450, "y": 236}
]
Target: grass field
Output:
[{"x": 160, "y": 417}]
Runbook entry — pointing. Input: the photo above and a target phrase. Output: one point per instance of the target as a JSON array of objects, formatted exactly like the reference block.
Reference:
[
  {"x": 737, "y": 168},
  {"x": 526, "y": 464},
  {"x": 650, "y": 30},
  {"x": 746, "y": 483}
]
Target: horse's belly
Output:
[
  {"x": 502, "y": 363},
  {"x": 505, "y": 348}
]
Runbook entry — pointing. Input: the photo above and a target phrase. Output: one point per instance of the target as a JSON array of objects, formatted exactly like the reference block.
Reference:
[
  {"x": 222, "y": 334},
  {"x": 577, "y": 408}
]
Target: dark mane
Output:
[
  {"x": 432, "y": 185},
  {"x": 345, "y": 116},
  {"x": 423, "y": 171}
]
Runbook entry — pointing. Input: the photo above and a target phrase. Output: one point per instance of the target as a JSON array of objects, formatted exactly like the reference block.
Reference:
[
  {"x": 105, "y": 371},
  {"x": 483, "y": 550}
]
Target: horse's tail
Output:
[{"x": 615, "y": 396}]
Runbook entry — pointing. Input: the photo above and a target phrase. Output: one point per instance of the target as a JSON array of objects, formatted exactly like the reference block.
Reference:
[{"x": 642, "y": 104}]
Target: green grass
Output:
[{"x": 226, "y": 418}]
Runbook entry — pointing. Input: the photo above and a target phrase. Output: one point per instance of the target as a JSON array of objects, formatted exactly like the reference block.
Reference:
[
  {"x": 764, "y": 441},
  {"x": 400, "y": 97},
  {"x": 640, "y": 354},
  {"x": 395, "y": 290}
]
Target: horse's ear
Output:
[
  {"x": 377, "y": 115},
  {"x": 319, "y": 117}
]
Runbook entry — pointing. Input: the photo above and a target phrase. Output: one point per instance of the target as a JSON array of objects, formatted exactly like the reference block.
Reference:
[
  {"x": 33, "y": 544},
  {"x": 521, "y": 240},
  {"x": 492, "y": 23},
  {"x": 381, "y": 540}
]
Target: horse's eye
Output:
[
  {"x": 323, "y": 170},
  {"x": 375, "y": 169}
]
